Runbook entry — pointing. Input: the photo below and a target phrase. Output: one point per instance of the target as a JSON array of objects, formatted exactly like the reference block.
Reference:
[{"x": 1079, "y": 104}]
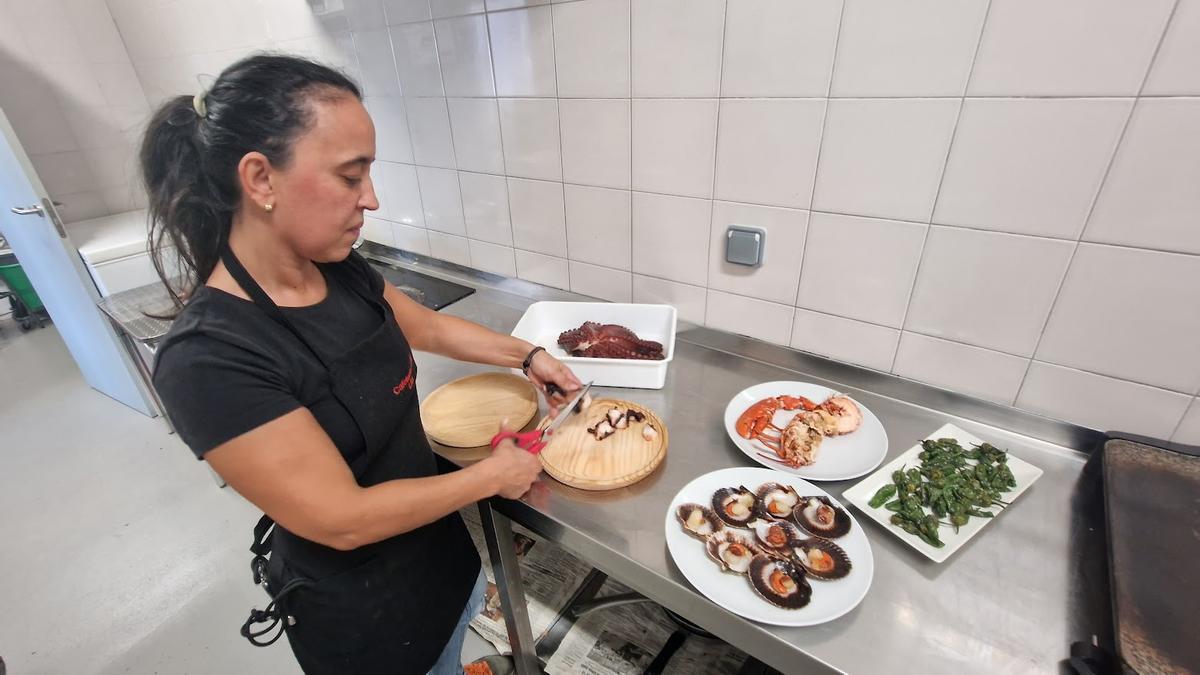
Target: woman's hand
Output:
[
  {"x": 513, "y": 468},
  {"x": 545, "y": 369}
]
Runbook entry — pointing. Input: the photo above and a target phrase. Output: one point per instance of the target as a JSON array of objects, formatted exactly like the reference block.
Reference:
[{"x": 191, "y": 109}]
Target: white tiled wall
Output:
[
  {"x": 995, "y": 196},
  {"x": 75, "y": 101}
]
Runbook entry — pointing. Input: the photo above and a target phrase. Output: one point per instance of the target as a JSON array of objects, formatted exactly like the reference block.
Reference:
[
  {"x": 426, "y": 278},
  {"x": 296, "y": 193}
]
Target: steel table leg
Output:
[{"x": 497, "y": 531}]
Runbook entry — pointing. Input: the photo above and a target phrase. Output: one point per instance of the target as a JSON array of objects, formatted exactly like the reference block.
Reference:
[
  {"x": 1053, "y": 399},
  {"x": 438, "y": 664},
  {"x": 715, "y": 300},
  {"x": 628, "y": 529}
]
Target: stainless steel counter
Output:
[{"x": 1010, "y": 601}]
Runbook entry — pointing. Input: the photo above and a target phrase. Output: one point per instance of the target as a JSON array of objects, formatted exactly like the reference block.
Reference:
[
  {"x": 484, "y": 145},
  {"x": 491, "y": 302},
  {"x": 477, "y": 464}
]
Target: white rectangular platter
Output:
[{"x": 860, "y": 494}]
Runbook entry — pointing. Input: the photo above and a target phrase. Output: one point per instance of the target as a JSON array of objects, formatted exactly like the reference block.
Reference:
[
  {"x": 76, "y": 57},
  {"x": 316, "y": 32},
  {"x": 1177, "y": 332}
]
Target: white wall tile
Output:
[
  {"x": 417, "y": 59},
  {"x": 98, "y": 37},
  {"x": 114, "y": 166},
  {"x": 676, "y": 224},
  {"x": 119, "y": 84},
  {"x": 599, "y": 225},
  {"x": 411, "y": 239},
  {"x": 1069, "y": 47},
  {"x": 759, "y": 319},
  {"x": 85, "y": 205},
  {"x": 529, "y": 128},
  {"x": 600, "y": 282},
  {"x": 443, "y": 8},
  {"x": 543, "y": 269},
  {"x": 493, "y": 5},
  {"x": 475, "y": 124},
  {"x": 884, "y": 157},
  {"x": 591, "y": 48},
  {"x": 1189, "y": 429},
  {"x": 493, "y": 258},
  {"x": 64, "y": 172},
  {"x": 379, "y": 76},
  {"x": 399, "y": 193},
  {"x": 835, "y": 337},
  {"x": 392, "y": 142},
  {"x": 378, "y": 231},
  {"x": 538, "y": 216},
  {"x": 767, "y": 151},
  {"x": 1041, "y": 162},
  {"x": 462, "y": 49},
  {"x": 779, "y": 47},
  {"x": 957, "y": 295},
  {"x": 1130, "y": 314},
  {"x": 596, "y": 141},
  {"x": 688, "y": 301},
  {"x": 1174, "y": 70},
  {"x": 1099, "y": 402},
  {"x": 73, "y": 83},
  {"x": 120, "y": 199},
  {"x": 677, "y": 47},
  {"x": 971, "y": 370},
  {"x": 363, "y": 14},
  {"x": 779, "y": 275},
  {"x": 91, "y": 127},
  {"x": 449, "y": 247},
  {"x": 442, "y": 201},
  {"x": 673, "y": 145},
  {"x": 1150, "y": 197},
  {"x": 485, "y": 207},
  {"x": 523, "y": 50},
  {"x": 430, "y": 125},
  {"x": 860, "y": 268},
  {"x": 916, "y": 48},
  {"x": 406, "y": 11}
]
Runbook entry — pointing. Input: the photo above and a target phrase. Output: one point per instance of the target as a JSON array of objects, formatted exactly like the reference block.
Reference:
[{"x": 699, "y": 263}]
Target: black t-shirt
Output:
[{"x": 226, "y": 367}]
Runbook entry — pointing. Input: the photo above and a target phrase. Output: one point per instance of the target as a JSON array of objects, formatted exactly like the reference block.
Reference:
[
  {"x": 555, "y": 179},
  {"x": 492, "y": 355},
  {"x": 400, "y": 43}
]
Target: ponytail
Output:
[{"x": 193, "y": 145}]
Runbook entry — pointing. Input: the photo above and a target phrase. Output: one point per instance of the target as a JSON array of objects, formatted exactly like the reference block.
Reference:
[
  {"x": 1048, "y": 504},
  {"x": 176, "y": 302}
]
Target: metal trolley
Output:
[{"x": 27, "y": 307}]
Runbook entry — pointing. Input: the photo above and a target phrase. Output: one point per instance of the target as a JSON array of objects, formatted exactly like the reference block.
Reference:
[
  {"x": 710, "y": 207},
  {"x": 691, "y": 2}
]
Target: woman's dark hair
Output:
[{"x": 194, "y": 143}]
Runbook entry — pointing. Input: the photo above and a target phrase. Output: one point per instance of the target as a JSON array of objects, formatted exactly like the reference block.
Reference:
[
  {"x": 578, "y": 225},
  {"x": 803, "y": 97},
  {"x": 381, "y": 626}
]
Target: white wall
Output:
[
  {"x": 998, "y": 197},
  {"x": 74, "y": 100}
]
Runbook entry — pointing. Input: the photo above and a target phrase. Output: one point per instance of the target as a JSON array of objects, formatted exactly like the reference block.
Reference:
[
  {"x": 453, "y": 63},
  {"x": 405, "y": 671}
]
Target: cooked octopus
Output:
[{"x": 609, "y": 341}]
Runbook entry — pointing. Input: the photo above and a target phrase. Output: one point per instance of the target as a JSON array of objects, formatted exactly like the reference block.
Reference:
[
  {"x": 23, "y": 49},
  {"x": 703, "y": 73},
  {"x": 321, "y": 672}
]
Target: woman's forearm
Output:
[{"x": 466, "y": 341}]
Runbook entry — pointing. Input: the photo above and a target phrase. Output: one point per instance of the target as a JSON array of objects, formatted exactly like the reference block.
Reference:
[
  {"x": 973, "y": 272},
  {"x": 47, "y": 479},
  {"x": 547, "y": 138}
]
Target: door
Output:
[{"x": 34, "y": 231}]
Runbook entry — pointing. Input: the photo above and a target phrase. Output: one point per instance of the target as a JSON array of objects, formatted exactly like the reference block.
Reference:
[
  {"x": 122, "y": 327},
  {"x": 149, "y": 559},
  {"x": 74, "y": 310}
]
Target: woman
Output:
[{"x": 290, "y": 370}]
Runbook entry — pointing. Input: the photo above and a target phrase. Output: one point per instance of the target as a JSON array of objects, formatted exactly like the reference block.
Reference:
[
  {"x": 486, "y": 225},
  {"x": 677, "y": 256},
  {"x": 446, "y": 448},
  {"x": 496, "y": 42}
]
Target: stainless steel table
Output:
[{"x": 1009, "y": 601}]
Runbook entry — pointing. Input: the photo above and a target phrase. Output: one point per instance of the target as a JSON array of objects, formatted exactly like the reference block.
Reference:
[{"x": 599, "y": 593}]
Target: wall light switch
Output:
[{"x": 745, "y": 245}]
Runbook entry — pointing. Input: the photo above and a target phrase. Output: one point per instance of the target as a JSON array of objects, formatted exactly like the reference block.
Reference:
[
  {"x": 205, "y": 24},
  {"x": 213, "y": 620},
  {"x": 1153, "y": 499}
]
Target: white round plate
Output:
[
  {"x": 839, "y": 457},
  {"x": 830, "y": 599}
]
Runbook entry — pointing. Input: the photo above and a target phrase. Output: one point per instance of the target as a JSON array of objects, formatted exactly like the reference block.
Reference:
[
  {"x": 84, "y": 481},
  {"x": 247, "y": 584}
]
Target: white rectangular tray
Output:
[
  {"x": 544, "y": 321},
  {"x": 860, "y": 494}
]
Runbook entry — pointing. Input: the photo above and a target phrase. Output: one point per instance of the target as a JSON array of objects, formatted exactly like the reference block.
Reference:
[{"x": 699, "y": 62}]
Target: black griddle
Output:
[{"x": 426, "y": 289}]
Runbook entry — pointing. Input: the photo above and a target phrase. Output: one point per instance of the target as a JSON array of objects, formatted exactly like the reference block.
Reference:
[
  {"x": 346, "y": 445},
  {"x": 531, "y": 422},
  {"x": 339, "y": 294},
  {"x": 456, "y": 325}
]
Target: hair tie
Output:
[{"x": 199, "y": 105}]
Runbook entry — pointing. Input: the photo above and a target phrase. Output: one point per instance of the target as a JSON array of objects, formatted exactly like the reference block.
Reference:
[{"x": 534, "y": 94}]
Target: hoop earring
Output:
[{"x": 268, "y": 207}]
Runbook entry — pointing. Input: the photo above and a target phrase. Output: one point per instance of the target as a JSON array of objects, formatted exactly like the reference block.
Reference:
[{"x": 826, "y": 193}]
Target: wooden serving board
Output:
[
  {"x": 466, "y": 413},
  {"x": 576, "y": 458}
]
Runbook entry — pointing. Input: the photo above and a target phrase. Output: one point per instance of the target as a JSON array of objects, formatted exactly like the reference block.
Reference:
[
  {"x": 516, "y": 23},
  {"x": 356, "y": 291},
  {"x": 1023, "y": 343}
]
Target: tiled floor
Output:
[{"x": 119, "y": 554}]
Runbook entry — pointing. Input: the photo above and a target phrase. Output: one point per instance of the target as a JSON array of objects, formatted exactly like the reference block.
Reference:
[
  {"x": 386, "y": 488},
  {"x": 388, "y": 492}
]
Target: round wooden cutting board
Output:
[
  {"x": 576, "y": 458},
  {"x": 466, "y": 413}
]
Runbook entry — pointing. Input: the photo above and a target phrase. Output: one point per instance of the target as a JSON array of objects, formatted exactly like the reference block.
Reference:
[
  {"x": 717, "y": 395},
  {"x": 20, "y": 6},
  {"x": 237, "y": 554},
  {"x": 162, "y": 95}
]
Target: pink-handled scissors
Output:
[{"x": 535, "y": 440}]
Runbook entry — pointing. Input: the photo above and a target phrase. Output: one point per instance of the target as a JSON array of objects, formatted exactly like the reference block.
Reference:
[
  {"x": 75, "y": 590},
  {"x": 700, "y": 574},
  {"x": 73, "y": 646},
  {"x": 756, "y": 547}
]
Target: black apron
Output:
[{"x": 388, "y": 607}]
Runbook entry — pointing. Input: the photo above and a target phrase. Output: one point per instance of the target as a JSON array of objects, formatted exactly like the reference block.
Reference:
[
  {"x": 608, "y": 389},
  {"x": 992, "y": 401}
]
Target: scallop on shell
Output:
[
  {"x": 732, "y": 550},
  {"x": 779, "y": 582},
  {"x": 699, "y": 521},
  {"x": 777, "y": 535},
  {"x": 821, "y": 517},
  {"x": 736, "y": 506},
  {"x": 821, "y": 558},
  {"x": 776, "y": 500}
]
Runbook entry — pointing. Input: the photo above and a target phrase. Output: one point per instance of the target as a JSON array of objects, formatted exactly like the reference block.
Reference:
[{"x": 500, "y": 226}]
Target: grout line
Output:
[
  {"x": 941, "y": 181},
  {"x": 712, "y": 192},
  {"x": 562, "y": 189},
  {"x": 629, "y": 16},
  {"x": 1112, "y": 158},
  {"x": 1186, "y": 410},
  {"x": 837, "y": 41}
]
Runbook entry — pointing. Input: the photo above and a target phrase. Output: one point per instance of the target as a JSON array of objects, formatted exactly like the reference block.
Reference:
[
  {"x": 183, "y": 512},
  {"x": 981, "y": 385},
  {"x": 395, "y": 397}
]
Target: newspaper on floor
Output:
[
  {"x": 550, "y": 575},
  {"x": 623, "y": 640}
]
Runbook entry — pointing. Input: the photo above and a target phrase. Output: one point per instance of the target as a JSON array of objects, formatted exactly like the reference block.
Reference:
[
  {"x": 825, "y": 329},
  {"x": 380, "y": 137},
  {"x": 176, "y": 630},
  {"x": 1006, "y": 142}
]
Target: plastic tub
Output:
[{"x": 544, "y": 321}]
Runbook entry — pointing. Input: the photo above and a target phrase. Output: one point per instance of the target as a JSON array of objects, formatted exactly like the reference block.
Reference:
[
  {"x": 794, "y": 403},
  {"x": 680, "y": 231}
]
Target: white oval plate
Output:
[
  {"x": 830, "y": 599},
  {"x": 839, "y": 457}
]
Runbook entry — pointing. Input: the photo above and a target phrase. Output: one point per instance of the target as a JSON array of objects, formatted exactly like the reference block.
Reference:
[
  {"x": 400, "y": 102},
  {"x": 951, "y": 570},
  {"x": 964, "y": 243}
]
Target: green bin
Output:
[{"x": 14, "y": 277}]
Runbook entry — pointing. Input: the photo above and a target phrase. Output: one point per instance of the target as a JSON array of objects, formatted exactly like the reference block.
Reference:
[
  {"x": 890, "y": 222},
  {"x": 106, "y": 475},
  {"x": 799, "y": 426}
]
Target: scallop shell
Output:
[
  {"x": 698, "y": 520},
  {"x": 777, "y": 535},
  {"x": 776, "y": 500},
  {"x": 738, "y": 507},
  {"x": 821, "y": 558},
  {"x": 779, "y": 582},
  {"x": 820, "y": 517},
  {"x": 732, "y": 550}
]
